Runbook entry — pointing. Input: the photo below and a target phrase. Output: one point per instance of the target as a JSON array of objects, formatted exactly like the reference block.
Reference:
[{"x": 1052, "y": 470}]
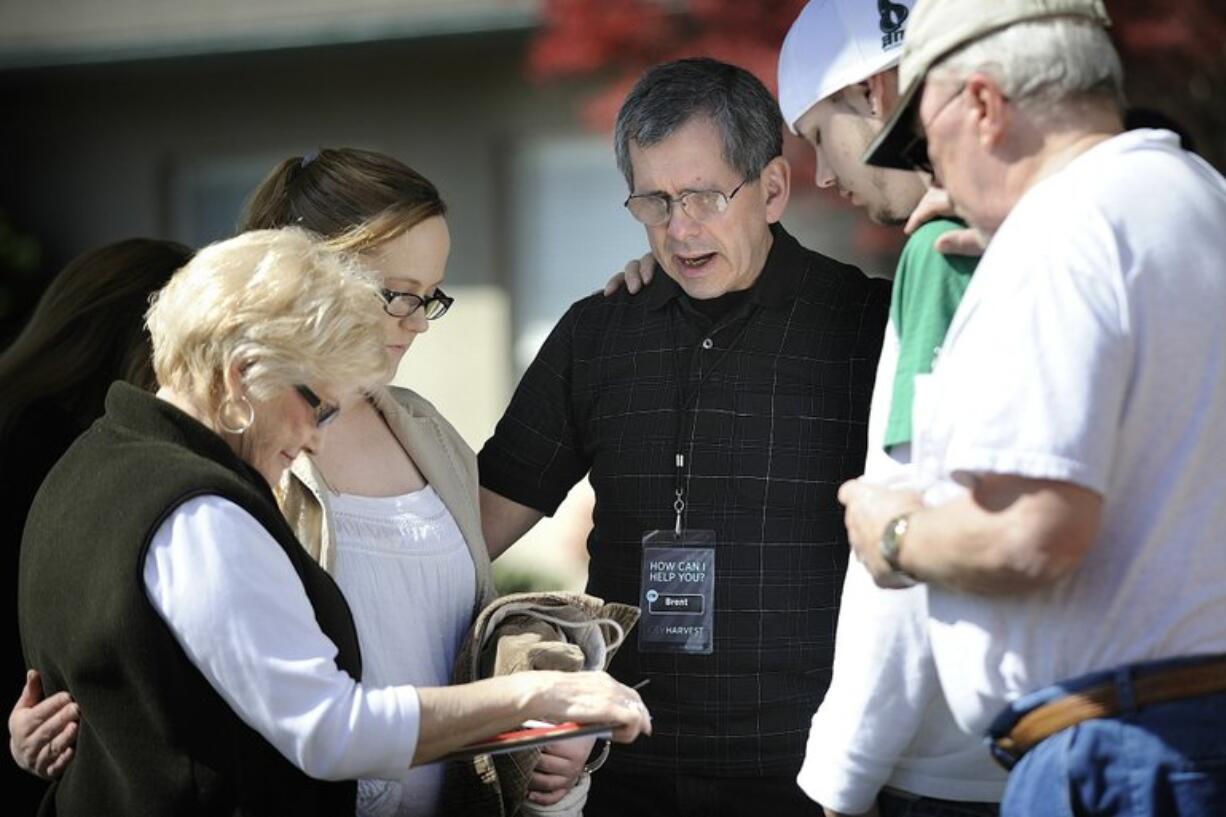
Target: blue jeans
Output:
[{"x": 1158, "y": 760}]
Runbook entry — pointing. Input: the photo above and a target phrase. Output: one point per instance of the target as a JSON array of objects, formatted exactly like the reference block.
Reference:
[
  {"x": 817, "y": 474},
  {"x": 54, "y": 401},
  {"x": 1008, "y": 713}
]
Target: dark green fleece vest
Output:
[{"x": 155, "y": 738}]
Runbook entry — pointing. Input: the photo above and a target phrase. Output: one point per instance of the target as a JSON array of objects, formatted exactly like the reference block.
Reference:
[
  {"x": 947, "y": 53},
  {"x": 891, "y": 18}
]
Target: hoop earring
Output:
[{"x": 225, "y": 415}]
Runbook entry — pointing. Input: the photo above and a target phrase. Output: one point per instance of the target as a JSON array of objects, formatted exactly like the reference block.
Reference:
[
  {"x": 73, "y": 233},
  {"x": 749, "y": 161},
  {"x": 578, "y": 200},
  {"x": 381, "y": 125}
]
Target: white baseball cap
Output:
[
  {"x": 836, "y": 43},
  {"x": 939, "y": 28}
]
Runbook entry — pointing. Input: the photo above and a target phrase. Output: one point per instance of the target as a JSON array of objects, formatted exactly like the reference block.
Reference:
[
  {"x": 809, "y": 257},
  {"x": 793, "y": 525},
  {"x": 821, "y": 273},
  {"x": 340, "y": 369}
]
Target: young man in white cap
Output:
[
  {"x": 1074, "y": 422},
  {"x": 883, "y": 722}
]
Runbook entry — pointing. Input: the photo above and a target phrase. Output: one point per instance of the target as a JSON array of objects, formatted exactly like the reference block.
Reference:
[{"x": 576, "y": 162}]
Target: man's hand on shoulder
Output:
[
  {"x": 936, "y": 204},
  {"x": 636, "y": 275}
]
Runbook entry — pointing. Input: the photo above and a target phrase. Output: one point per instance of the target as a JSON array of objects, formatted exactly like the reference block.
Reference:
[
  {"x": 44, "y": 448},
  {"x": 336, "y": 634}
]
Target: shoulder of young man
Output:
[
  {"x": 921, "y": 244},
  {"x": 821, "y": 272}
]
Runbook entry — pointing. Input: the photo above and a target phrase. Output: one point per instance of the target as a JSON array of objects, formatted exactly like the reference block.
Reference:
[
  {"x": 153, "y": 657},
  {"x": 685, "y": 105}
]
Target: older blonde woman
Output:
[
  {"x": 390, "y": 507},
  {"x": 215, "y": 661}
]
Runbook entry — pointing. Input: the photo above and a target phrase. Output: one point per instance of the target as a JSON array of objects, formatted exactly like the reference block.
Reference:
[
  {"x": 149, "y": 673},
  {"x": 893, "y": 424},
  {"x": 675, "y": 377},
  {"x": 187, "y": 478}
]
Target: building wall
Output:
[
  {"x": 101, "y": 151},
  {"x": 39, "y": 32}
]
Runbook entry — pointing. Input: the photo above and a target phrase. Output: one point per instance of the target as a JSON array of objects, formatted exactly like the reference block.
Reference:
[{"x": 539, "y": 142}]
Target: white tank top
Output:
[{"x": 407, "y": 574}]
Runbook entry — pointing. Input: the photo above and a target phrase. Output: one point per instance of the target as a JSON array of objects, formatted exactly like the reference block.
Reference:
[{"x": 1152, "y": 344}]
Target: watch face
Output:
[{"x": 891, "y": 539}]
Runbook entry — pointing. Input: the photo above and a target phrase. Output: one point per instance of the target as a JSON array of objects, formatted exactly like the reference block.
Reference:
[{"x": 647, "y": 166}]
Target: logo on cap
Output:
[{"x": 893, "y": 15}]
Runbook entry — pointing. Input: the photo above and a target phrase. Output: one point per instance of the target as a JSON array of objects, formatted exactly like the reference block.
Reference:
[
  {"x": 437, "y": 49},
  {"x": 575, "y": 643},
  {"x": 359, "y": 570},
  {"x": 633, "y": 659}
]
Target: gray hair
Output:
[
  {"x": 1047, "y": 66},
  {"x": 670, "y": 95}
]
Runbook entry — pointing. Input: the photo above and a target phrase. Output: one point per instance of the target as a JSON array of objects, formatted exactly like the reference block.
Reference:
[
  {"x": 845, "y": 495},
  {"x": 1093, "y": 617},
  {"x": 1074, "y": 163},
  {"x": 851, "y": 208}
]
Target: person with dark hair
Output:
[
  {"x": 85, "y": 333},
  {"x": 716, "y": 412}
]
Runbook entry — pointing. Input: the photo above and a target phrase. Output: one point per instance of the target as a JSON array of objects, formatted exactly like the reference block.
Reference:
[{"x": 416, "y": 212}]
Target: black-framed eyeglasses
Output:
[
  {"x": 324, "y": 412},
  {"x": 654, "y": 209},
  {"x": 403, "y": 304},
  {"x": 915, "y": 152}
]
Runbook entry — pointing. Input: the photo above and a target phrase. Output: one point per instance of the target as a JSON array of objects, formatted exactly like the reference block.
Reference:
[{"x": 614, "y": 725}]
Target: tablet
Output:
[{"x": 531, "y": 734}]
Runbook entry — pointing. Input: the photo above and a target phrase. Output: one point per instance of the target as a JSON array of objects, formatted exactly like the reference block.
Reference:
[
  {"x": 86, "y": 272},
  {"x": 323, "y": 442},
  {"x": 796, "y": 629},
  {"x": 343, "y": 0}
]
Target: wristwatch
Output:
[{"x": 891, "y": 544}]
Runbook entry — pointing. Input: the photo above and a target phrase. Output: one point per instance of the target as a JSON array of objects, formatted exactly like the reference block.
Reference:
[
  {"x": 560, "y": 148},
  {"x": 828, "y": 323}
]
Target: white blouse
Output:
[
  {"x": 409, "y": 579},
  {"x": 230, "y": 595}
]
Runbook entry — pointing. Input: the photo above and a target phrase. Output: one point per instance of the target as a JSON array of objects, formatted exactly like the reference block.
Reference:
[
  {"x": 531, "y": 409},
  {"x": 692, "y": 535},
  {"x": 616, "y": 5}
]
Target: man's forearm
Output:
[
  {"x": 1007, "y": 535},
  {"x": 504, "y": 521}
]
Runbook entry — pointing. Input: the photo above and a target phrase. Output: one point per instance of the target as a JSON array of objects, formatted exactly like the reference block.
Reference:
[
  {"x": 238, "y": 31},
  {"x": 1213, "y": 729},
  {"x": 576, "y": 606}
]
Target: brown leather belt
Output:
[{"x": 1102, "y": 701}]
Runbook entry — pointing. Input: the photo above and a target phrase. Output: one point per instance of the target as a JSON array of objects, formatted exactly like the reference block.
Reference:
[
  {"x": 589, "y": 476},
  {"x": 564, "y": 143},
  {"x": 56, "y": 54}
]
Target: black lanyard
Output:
[{"x": 684, "y": 401}]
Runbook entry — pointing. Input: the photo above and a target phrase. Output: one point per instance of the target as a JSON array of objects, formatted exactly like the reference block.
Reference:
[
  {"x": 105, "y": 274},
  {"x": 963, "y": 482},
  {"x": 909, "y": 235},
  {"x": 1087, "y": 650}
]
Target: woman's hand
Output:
[
  {"x": 589, "y": 697},
  {"x": 43, "y": 733},
  {"x": 454, "y": 716},
  {"x": 558, "y": 769}
]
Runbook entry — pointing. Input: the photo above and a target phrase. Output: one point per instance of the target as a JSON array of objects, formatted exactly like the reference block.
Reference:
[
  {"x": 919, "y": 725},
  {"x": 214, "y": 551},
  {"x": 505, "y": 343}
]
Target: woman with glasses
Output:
[
  {"x": 389, "y": 506},
  {"x": 216, "y": 664}
]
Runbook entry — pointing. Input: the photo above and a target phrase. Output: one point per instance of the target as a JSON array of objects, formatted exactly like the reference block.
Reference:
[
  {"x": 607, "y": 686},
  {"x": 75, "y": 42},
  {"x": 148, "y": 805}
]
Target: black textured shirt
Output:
[{"x": 778, "y": 392}]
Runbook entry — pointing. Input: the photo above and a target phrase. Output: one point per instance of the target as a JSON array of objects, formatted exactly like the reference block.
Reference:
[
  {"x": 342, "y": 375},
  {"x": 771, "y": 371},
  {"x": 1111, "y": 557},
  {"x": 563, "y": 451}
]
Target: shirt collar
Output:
[{"x": 774, "y": 287}]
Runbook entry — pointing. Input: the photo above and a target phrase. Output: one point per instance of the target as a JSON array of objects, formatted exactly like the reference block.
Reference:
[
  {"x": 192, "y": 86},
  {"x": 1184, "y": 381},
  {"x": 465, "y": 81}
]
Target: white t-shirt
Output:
[
  {"x": 1090, "y": 348},
  {"x": 883, "y": 720},
  {"x": 408, "y": 576},
  {"x": 230, "y": 595}
]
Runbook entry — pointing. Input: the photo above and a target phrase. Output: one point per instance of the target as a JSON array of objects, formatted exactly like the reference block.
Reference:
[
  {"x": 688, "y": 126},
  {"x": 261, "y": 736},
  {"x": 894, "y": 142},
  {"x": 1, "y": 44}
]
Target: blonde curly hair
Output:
[{"x": 280, "y": 305}]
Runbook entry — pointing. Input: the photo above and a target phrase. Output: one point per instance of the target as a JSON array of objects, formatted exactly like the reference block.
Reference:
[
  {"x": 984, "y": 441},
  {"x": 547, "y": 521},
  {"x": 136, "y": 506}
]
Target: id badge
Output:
[{"x": 677, "y": 592}]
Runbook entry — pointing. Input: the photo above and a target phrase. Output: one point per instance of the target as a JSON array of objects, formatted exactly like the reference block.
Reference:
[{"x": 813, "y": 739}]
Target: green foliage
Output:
[{"x": 517, "y": 580}]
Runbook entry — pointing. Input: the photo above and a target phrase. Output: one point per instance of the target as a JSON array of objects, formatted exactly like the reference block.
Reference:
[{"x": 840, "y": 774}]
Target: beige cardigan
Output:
[{"x": 440, "y": 454}]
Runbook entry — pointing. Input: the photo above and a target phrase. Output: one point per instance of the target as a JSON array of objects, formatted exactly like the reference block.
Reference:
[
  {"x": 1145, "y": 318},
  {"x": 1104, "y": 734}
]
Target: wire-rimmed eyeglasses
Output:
[
  {"x": 654, "y": 209},
  {"x": 403, "y": 304}
]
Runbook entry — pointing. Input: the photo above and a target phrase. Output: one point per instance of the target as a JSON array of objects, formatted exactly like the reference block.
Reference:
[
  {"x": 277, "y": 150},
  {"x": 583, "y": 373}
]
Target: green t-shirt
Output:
[{"x": 927, "y": 288}]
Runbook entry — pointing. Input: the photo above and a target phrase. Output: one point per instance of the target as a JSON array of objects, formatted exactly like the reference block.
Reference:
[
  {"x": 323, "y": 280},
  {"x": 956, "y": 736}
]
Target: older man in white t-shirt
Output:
[{"x": 1074, "y": 425}]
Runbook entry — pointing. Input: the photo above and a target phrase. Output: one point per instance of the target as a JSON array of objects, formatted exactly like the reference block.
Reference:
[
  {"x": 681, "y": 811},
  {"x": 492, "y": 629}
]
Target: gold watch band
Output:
[{"x": 892, "y": 539}]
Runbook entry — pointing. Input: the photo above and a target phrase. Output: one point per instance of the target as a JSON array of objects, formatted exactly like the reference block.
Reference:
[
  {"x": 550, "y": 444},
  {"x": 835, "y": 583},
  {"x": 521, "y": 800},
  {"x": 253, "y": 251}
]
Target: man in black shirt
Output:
[{"x": 717, "y": 413}]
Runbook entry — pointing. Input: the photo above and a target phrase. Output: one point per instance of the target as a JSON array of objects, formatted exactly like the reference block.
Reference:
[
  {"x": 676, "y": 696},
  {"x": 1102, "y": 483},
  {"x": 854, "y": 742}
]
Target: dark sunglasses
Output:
[
  {"x": 915, "y": 152},
  {"x": 324, "y": 412}
]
